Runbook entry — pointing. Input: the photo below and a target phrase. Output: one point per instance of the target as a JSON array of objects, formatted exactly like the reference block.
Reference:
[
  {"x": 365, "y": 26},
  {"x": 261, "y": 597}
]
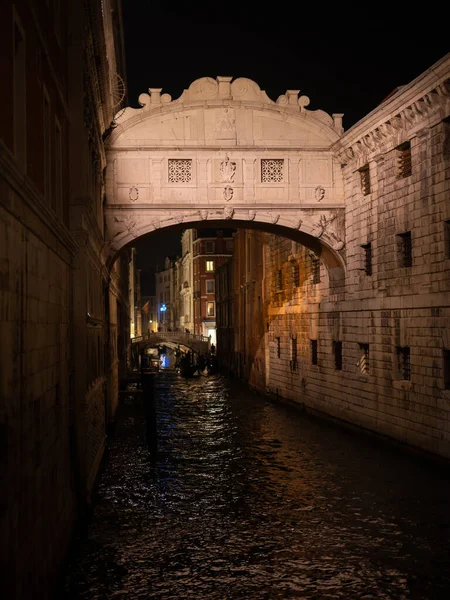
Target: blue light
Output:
[{"x": 163, "y": 308}]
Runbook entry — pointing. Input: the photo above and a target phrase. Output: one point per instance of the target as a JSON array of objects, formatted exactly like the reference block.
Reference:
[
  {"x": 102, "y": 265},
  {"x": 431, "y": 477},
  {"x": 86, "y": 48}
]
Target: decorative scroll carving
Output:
[
  {"x": 228, "y": 193},
  {"x": 133, "y": 193},
  {"x": 227, "y": 170}
]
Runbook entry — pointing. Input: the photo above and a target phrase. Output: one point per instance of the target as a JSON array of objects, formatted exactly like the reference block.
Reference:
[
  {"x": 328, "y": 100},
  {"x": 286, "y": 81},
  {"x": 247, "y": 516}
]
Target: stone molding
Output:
[
  {"x": 413, "y": 107},
  {"x": 224, "y": 91}
]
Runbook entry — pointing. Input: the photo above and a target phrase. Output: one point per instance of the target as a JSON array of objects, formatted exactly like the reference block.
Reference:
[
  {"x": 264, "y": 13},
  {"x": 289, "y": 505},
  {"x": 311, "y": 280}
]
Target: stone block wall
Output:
[{"x": 37, "y": 506}]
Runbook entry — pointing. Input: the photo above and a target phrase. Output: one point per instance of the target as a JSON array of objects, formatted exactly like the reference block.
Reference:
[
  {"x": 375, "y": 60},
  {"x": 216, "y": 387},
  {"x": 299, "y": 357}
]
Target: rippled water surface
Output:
[{"x": 249, "y": 499}]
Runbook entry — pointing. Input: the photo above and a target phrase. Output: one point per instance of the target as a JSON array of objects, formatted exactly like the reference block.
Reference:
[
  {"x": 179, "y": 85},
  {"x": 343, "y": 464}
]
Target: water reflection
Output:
[{"x": 251, "y": 500}]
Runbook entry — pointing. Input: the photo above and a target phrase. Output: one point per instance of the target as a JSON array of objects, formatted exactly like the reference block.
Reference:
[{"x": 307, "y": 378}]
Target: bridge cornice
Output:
[{"x": 420, "y": 104}]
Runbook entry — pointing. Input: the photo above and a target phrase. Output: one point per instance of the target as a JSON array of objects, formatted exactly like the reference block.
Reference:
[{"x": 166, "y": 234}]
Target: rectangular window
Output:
[
  {"x": 337, "y": 351},
  {"x": 367, "y": 248},
  {"x": 57, "y": 197},
  {"x": 293, "y": 362},
  {"x": 47, "y": 149},
  {"x": 19, "y": 96},
  {"x": 278, "y": 280},
  {"x": 296, "y": 275},
  {"x": 229, "y": 245},
  {"x": 210, "y": 309},
  {"x": 314, "y": 352},
  {"x": 210, "y": 286},
  {"x": 404, "y": 164},
  {"x": 209, "y": 247},
  {"x": 403, "y": 363},
  {"x": 364, "y": 174},
  {"x": 446, "y": 357},
  {"x": 278, "y": 343},
  {"x": 315, "y": 268},
  {"x": 210, "y": 265},
  {"x": 180, "y": 170},
  {"x": 447, "y": 239},
  {"x": 363, "y": 362},
  {"x": 404, "y": 249},
  {"x": 272, "y": 170}
]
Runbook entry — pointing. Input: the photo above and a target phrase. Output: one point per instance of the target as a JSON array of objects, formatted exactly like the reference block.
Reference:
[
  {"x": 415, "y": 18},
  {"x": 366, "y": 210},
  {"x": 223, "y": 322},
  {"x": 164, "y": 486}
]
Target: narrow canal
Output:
[{"x": 250, "y": 499}]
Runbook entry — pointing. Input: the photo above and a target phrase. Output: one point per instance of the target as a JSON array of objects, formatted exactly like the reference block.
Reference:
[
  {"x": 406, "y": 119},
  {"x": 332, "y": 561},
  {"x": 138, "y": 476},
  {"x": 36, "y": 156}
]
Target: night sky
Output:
[{"x": 343, "y": 65}]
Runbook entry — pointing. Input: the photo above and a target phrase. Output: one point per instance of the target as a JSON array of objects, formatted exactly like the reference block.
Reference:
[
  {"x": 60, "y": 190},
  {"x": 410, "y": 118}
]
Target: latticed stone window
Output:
[
  {"x": 364, "y": 174},
  {"x": 180, "y": 170},
  {"x": 403, "y": 363},
  {"x": 404, "y": 249},
  {"x": 272, "y": 170},
  {"x": 363, "y": 362},
  {"x": 404, "y": 164}
]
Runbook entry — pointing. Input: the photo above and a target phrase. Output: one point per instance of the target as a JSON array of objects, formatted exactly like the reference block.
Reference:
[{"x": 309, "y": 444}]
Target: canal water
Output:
[{"x": 253, "y": 500}]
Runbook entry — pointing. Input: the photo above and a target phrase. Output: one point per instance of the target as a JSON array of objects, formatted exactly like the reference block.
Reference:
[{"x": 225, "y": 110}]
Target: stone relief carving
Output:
[
  {"x": 228, "y": 193},
  {"x": 156, "y": 223},
  {"x": 123, "y": 225},
  {"x": 227, "y": 170},
  {"x": 203, "y": 214},
  {"x": 251, "y": 215},
  {"x": 323, "y": 225},
  {"x": 133, "y": 193},
  {"x": 226, "y": 121},
  {"x": 299, "y": 224},
  {"x": 228, "y": 212},
  {"x": 319, "y": 193}
]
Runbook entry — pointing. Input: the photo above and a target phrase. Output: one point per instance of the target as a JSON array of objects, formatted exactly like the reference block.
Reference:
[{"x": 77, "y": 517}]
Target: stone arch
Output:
[{"x": 324, "y": 246}]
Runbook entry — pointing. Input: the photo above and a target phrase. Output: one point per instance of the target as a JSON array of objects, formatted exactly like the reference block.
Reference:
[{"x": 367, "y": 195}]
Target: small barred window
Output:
[
  {"x": 180, "y": 170},
  {"x": 296, "y": 275},
  {"x": 364, "y": 174},
  {"x": 404, "y": 164},
  {"x": 272, "y": 170},
  {"x": 403, "y": 363},
  {"x": 404, "y": 249},
  {"x": 363, "y": 362}
]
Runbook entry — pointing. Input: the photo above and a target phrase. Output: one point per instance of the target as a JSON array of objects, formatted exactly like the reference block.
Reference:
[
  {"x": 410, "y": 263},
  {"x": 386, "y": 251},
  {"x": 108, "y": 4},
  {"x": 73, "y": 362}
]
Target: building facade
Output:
[
  {"x": 211, "y": 248},
  {"x": 62, "y": 310},
  {"x": 375, "y": 353}
]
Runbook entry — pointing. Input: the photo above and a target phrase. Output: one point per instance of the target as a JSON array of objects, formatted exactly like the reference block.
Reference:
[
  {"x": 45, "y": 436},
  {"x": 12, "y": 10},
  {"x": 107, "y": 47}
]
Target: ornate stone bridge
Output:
[
  {"x": 198, "y": 343},
  {"x": 225, "y": 154}
]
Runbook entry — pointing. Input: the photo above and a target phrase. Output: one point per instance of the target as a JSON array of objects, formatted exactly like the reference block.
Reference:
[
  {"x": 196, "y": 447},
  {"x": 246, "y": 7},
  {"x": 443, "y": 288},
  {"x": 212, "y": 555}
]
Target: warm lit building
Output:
[
  {"x": 211, "y": 248},
  {"x": 373, "y": 350}
]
